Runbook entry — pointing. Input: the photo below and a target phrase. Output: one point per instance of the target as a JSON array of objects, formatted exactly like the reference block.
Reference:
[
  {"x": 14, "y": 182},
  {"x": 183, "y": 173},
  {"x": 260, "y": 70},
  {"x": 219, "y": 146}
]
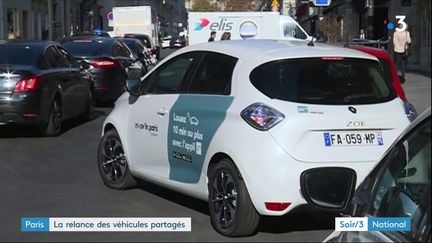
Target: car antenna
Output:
[{"x": 311, "y": 43}]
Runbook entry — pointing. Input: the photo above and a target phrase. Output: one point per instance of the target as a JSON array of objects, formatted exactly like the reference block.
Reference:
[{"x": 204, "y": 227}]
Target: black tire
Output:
[
  {"x": 54, "y": 124},
  {"x": 90, "y": 108},
  {"x": 112, "y": 163},
  {"x": 231, "y": 210}
]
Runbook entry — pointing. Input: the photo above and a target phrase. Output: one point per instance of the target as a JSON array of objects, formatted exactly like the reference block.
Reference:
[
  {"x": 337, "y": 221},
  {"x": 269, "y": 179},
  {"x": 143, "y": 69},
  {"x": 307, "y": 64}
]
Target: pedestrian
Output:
[
  {"x": 212, "y": 36},
  {"x": 226, "y": 36},
  {"x": 401, "y": 43},
  {"x": 362, "y": 34}
]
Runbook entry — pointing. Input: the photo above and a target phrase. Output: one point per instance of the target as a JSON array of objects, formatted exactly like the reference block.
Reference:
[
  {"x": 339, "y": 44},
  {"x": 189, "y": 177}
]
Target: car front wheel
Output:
[
  {"x": 112, "y": 163},
  {"x": 231, "y": 210}
]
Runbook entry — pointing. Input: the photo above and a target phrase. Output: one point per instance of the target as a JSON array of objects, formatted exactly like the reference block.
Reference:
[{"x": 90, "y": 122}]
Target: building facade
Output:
[
  {"x": 56, "y": 19},
  {"x": 39, "y": 19}
]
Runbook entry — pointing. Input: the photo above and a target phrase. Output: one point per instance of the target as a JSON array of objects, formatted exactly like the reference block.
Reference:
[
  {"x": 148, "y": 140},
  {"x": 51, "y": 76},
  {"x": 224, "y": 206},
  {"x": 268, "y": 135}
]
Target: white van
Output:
[{"x": 243, "y": 25}]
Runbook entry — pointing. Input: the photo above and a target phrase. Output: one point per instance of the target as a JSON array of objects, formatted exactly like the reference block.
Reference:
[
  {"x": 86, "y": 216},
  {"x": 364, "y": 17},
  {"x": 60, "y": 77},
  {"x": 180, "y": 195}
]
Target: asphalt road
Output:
[{"x": 58, "y": 177}]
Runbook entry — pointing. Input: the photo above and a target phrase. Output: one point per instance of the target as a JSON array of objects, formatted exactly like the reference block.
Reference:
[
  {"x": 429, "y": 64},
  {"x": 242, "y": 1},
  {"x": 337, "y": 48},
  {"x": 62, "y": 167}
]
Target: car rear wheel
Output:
[
  {"x": 112, "y": 163},
  {"x": 231, "y": 210},
  {"x": 54, "y": 124},
  {"x": 90, "y": 109}
]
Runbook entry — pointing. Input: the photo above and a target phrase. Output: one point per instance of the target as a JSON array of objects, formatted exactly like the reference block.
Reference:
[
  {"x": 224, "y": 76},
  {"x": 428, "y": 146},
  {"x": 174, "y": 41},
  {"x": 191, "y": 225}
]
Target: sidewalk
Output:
[{"x": 418, "y": 90}]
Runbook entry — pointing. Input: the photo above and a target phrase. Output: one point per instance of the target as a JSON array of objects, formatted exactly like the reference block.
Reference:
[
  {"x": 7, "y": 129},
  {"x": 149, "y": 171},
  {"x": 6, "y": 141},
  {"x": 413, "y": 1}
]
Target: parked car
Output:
[
  {"x": 178, "y": 42},
  {"x": 390, "y": 73},
  {"x": 236, "y": 123},
  {"x": 94, "y": 33},
  {"x": 140, "y": 52},
  {"x": 399, "y": 186},
  {"x": 42, "y": 85},
  {"x": 166, "y": 42},
  {"x": 151, "y": 47},
  {"x": 109, "y": 61}
]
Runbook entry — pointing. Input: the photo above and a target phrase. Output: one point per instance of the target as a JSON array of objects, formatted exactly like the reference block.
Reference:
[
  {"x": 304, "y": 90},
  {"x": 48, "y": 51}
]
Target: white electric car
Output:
[{"x": 237, "y": 122}]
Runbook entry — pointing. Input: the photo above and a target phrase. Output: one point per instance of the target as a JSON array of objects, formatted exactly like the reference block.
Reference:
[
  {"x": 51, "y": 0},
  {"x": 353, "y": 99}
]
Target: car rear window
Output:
[
  {"x": 89, "y": 48},
  {"x": 144, "y": 39},
  {"x": 386, "y": 70},
  {"x": 19, "y": 55},
  {"x": 323, "y": 81}
]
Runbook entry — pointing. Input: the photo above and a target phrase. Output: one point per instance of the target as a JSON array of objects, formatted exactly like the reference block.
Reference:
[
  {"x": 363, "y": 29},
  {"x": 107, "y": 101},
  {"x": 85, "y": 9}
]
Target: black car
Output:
[
  {"x": 41, "y": 84},
  {"x": 178, "y": 42},
  {"x": 151, "y": 47},
  {"x": 140, "y": 52},
  {"x": 94, "y": 33},
  {"x": 109, "y": 61}
]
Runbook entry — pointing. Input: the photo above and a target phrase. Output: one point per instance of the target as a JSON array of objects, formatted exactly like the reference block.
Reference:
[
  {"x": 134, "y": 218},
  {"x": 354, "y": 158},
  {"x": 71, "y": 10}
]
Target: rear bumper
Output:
[
  {"x": 21, "y": 108},
  {"x": 272, "y": 175},
  {"x": 108, "y": 85}
]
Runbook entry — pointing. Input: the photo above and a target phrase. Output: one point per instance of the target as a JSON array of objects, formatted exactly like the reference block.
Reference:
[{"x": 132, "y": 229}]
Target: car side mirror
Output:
[
  {"x": 84, "y": 65},
  {"x": 133, "y": 86},
  {"x": 328, "y": 187},
  {"x": 401, "y": 79}
]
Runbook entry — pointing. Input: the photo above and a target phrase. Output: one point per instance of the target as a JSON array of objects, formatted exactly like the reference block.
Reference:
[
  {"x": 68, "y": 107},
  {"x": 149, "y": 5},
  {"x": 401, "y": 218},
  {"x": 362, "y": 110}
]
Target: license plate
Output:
[{"x": 357, "y": 138}]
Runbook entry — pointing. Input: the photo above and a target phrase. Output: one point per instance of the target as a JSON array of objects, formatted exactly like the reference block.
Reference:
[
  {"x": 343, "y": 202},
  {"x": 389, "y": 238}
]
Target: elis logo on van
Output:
[
  {"x": 201, "y": 24},
  {"x": 222, "y": 25}
]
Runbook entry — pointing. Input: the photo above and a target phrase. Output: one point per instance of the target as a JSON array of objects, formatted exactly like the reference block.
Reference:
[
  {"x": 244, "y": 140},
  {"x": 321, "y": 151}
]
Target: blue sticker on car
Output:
[
  {"x": 302, "y": 109},
  {"x": 327, "y": 139},
  {"x": 194, "y": 120}
]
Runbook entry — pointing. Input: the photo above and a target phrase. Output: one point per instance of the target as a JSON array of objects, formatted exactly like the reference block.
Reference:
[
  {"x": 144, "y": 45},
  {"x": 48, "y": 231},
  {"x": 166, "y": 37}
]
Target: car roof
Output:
[
  {"x": 128, "y": 39},
  {"x": 275, "y": 49},
  {"x": 377, "y": 52},
  {"x": 30, "y": 43},
  {"x": 92, "y": 38},
  {"x": 136, "y": 35}
]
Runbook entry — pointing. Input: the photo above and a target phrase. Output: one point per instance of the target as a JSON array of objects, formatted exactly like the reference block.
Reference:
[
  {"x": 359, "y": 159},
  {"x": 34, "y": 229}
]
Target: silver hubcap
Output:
[
  {"x": 224, "y": 198},
  {"x": 113, "y": 160}
]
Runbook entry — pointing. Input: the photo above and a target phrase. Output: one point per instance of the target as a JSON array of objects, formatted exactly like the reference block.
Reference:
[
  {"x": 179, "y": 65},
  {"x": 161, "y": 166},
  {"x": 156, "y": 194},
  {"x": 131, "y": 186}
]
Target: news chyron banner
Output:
[
  {"x": 373, "y": 224},
  {"x": 105, "y": 224}
]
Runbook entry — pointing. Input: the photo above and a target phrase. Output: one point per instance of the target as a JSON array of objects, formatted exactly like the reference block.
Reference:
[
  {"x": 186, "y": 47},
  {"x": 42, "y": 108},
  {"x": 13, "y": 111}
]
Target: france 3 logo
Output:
[{"x": 401, "y": 22}]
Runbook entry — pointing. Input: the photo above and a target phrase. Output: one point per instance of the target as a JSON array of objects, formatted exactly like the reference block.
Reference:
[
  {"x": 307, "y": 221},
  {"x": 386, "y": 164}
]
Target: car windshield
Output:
[
  {"x": 323, "y": 81},
  {"x": 88, "y": 48},
  {"x": 292, "y": 30},
  {"x": 18, "y": 55}
]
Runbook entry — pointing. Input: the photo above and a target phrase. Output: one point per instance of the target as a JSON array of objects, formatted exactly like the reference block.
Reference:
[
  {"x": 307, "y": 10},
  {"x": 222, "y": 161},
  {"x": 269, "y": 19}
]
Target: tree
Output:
[
  {"x": 242, "y": 5},
  {"x": 203, "y": 6},
  {"x": 330, "y": 28}
]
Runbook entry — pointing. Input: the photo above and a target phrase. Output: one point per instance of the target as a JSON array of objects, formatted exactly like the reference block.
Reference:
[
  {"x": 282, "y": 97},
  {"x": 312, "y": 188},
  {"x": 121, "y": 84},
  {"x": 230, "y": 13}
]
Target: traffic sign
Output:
[{"x": 321, "y": 3}]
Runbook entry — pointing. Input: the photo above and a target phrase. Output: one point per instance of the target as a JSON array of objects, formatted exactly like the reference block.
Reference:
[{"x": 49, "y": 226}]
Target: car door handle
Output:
[{"x": 162, "y": 112}]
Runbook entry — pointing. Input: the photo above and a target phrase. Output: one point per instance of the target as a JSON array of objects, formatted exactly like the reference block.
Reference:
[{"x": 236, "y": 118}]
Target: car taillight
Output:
[
  {"x": 28, "y": 84},
  {"x": 277, "y": 206},
  {"x": 261, "y": 116},
  {"x": 104, "y": 63},
  {"x": 410, "y": 111}
]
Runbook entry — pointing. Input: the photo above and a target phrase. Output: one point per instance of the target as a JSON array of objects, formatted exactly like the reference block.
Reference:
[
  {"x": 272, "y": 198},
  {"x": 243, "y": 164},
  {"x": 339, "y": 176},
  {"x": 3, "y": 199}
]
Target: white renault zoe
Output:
[{"x": 236, "y": 123}]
